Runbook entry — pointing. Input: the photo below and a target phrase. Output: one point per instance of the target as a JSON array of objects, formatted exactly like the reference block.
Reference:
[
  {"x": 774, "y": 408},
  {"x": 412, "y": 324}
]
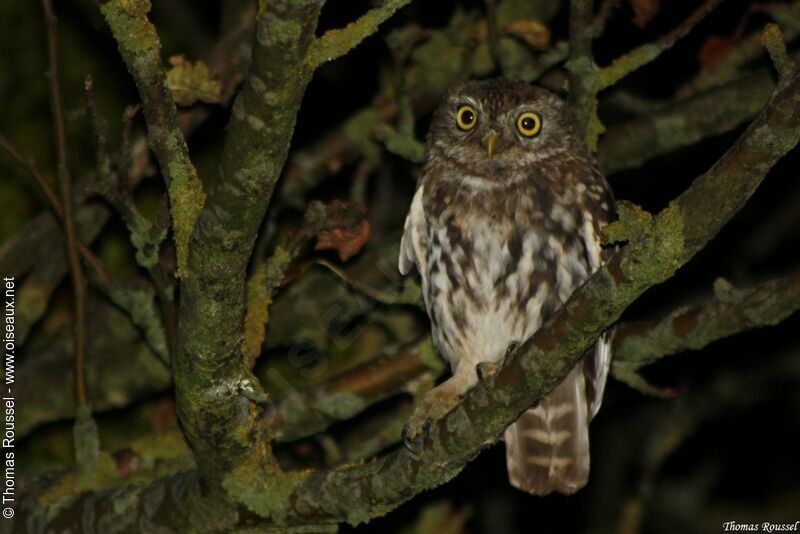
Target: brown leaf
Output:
[
  {"x": 644, "y": 11},
  {"x": 714, "y": 49},
  {"x": 533, "y": 32},
  {"x": 346, "y": 241},
  {"x": 345, "y": 230}
]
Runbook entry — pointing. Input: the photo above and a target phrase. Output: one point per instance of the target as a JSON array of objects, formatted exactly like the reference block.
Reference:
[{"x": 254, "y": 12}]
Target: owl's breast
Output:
[{"x": 497, "y": 267}]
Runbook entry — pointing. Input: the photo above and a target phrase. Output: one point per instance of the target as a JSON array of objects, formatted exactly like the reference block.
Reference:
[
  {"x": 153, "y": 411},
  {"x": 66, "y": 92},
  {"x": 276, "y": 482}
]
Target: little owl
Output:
[{"x": 504, "y": 226}]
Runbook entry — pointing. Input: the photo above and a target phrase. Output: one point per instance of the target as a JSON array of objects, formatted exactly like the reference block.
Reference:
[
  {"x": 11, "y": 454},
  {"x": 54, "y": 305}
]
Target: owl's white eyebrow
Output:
[{"x": 460, "y": 100}]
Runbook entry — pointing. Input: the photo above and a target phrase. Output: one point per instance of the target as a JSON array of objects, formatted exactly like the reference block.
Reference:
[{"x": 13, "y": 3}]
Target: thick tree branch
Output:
[{"x": 210, "y": 370}]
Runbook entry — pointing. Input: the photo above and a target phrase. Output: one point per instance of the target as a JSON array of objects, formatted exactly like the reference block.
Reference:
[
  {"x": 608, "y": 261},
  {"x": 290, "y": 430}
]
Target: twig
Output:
[
  {"x": 338, "y": 42},
  {"x": 55, "y": 204},
  {"x": 599, "y": 23},
  {"x": 772, "y": 39},
  {"x": 34, "y": 172},
  {"x": 78, "y": 287},
  {"x": 638, "y": 57}
]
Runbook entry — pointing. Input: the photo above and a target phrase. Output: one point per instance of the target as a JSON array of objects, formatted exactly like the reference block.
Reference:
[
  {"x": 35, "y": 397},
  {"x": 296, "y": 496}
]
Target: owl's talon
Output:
[
  {"x": 414, "y": 436},
  {"x": 485, "y": 370},
  {"x": 512, "y": 348}
]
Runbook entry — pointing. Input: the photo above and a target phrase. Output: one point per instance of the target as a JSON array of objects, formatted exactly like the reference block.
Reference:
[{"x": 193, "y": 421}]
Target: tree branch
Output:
[
  {"x": 310, "y": 411},
  {"x": 336, "y": 43},
  {"x": 682, "y": 123},
  {"x": 140, "y": 47},
  {"x": 78, "y": 284},
  {"x": 691, "y": 327},
  {"x": 638, "y": 57},
  {"x": 210, "y": 370}
]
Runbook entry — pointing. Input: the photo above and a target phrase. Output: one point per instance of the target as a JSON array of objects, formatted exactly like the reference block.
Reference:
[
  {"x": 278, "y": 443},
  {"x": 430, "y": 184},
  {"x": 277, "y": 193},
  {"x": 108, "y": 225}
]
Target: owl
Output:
[{"x": 504, "y": 226}]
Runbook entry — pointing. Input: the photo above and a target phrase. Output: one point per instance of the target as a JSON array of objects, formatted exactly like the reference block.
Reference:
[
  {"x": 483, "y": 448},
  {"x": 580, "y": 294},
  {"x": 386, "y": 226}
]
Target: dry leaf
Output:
[
  {"x": 644, "y": 11},
  {"x": 348, "y": 233},
  {"x": 714, "y": 49},
  {"x": 536, "y": 34},
  {"x": 190, "y": 82}
]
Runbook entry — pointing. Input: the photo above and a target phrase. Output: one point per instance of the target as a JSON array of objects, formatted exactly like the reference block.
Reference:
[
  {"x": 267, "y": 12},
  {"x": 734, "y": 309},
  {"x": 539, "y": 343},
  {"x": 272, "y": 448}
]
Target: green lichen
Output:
[
  {"x": 772, "y": 39},
  {"x": 631, "y": 223},
  {"x": 146, "y": 239},
  {"x": 86, "y": 439},
  {"x": 186, "y": 198},
  {"x": 260, "y": 485},
  {"x": 31, "y": 302},
  {"x": 336, "y": 43},
  {"x": 140, "y": 306},
  {"x": 342, "y": 405},
  {"x": 132, "y": 31}
]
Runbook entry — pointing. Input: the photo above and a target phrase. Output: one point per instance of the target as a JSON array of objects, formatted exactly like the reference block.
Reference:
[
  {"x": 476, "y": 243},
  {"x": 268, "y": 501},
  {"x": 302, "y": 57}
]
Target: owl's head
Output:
[{"x": 494, "y": 126}]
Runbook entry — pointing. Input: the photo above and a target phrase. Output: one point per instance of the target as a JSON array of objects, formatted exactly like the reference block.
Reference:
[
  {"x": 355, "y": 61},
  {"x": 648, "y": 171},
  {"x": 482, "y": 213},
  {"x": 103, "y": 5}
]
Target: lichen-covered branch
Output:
[
  {"x": 307, "y": 412},
  {"x": 583, "y": 70},
  {"x": 638, "y": 57},
  {"x": 693, "y": 326},
  {"x": 140, "y": 47},
  {"x": 336, "y": 43},
  {"x": 209, "y": 368},
  {"x": 682, "y": 123}
]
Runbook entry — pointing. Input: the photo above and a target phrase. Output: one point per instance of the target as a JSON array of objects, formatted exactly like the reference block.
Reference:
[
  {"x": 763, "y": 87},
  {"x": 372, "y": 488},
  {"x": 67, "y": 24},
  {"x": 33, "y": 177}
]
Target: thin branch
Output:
[
  {"x": 139, "y": 46},
  {"x": 583, "y": 70},
  {"x": 307, "y": 412},
  {"x": 684, "y": 122},
  {"x": 604, "y": 13},
  {"x": 35, "y": 173},
  {"x": 78, "y": 287},
  {"x": 727, "y": 312},
  {"x": 772, "y": 39},
  {"x": 638, "y": 57},
  {"x": 55, "y": 204},
  {"x": 336, "y": 43}
]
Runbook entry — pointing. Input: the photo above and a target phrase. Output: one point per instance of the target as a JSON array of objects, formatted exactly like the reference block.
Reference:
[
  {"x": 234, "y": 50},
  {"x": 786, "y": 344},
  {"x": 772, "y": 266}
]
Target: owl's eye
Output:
[
  {"x": 529, "y": 124},
  {"x": 466, "y": 117}
]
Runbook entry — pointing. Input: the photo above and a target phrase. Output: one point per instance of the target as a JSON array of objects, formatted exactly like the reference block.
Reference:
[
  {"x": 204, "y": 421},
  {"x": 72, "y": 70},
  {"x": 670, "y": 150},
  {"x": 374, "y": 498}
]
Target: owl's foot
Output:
[
  {"x": 486, "y": 370},
  {"x": 437, "y": 403}
]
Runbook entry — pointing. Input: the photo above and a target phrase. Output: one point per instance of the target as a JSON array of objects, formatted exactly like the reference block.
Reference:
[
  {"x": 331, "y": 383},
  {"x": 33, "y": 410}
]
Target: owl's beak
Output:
[{"x": 490, "y": 142}]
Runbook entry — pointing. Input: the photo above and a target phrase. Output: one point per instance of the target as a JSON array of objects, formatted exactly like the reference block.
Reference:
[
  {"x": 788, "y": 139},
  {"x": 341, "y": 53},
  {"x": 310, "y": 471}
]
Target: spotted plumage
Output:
[{"x": 504, "y": 226}]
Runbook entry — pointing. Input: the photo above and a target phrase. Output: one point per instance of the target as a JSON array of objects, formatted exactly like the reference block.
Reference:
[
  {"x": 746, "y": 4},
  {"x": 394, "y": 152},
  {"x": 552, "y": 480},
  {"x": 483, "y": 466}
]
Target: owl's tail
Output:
[{"x": 547, "y": 448}]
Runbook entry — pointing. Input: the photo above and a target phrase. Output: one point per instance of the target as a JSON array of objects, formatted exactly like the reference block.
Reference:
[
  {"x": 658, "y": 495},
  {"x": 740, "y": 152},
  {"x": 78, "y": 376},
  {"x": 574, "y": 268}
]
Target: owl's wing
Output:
[
  {"x": 413, "y": 246},
  {"x": 596, "y": 368}
]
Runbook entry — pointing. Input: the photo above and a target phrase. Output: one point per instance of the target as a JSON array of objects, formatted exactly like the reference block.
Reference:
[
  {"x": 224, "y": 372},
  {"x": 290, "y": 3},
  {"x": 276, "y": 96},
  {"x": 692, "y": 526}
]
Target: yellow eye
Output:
[
  {"x": 529, "y": 124},
  {"x": 466, "y": 117}
]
